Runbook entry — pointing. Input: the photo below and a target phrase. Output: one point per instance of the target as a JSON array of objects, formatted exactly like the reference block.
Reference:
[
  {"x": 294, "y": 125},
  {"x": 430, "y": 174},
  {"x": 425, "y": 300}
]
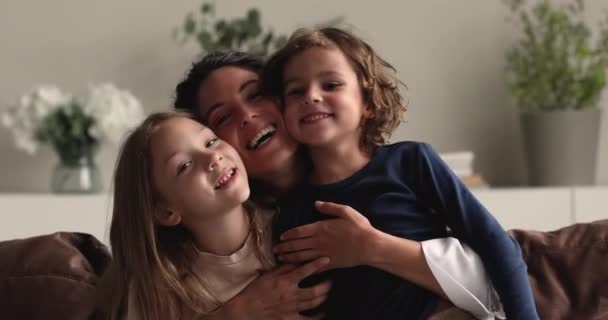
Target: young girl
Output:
[
  {"x": 341, "y": 102},
  {"x": 183, "y": 237}
]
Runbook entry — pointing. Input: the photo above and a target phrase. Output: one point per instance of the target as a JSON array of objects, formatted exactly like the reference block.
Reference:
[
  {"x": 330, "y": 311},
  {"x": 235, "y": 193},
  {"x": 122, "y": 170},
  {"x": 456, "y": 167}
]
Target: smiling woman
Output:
[{"x": 223, "y": 89}]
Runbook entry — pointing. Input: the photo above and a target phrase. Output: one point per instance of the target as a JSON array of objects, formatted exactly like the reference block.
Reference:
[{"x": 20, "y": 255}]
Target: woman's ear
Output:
[{"x": 167, "y": 217}]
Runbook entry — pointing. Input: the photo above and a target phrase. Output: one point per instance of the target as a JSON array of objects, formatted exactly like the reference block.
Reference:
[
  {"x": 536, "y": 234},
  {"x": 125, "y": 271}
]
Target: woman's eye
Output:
[
  {"x": 182, "y": 167},
  {"x": 254, "y": 96},
  {"x": 221, "y": 119},
  {"x": 211, "y": 142}
]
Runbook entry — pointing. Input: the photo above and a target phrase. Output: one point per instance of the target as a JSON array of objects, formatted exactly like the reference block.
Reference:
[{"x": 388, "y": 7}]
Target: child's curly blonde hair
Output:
[{"x": 378, "y": 80}]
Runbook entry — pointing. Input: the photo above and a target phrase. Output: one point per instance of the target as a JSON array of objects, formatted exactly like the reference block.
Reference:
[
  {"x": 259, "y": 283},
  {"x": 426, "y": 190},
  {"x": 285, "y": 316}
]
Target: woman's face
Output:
[{"x": 230, "y": 103}]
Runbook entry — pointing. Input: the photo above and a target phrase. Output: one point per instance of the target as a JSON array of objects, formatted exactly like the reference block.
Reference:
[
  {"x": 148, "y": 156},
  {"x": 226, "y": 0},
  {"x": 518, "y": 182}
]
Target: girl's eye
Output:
[
  {"x": 182, "y": 167},
  {"x": 211, "y": 142}
]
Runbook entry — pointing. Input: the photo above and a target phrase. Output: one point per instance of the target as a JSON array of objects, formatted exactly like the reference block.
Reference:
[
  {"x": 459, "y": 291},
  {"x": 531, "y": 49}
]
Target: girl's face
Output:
[
  {"x": 323, "y": 98},
  {"x": 231, "y": 104},
  {"x": 198, "y": 175}
]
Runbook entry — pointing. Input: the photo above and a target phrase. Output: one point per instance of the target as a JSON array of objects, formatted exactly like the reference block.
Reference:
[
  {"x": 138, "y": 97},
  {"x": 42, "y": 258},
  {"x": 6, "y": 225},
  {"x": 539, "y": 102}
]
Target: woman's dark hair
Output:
[{"x": 186, "y": 92}]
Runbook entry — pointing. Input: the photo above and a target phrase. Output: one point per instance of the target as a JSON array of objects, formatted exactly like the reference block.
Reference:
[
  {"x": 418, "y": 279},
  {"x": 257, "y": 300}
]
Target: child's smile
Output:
[
  {"x": 225, "y": 179},
  {"x": 315, "y": 117},
  {"x": 323, "y": 99}
]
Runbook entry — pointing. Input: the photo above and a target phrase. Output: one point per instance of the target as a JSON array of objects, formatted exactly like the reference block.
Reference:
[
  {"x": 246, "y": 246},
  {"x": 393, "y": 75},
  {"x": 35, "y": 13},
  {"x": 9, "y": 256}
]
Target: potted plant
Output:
[
  {"x": 74, "y": 128},
  {"x": 556, "y": 73},
  {"x": 244, "y": 33},
  {"x": 241, "y": 33}
]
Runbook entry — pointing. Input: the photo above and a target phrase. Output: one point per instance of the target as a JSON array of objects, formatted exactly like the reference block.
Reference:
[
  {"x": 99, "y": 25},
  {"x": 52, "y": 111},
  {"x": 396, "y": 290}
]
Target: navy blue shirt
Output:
[{"x": 407, "y": 190}]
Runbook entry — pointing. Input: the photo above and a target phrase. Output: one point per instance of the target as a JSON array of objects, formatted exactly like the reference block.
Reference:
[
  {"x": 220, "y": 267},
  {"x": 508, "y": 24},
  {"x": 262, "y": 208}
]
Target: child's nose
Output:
[
  {"x": 215, "y": 160},
  {"x": 312, "y": 96}
]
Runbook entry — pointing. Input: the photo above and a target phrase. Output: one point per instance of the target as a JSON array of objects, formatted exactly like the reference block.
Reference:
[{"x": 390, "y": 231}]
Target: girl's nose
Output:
[{"x": 216, "y": 159}]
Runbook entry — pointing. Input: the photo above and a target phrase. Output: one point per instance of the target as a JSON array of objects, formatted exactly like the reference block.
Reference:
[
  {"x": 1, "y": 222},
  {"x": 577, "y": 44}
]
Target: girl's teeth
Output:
[{"x": 224, "y": 179}]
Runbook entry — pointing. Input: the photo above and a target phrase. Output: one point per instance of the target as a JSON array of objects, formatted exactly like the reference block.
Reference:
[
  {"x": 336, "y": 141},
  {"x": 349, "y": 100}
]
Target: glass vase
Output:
[{"x": 76, "y": 175}]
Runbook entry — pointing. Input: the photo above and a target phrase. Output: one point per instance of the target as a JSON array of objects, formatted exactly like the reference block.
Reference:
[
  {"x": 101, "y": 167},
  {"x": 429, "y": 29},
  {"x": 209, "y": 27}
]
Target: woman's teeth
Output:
[
  {"x": 224, "y": 179},
  {"x": 262, "y": 137}
]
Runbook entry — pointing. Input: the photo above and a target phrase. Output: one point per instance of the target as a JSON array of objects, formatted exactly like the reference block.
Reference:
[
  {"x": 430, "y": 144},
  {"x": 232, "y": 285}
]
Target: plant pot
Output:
[{"x": 561, "y": 146}]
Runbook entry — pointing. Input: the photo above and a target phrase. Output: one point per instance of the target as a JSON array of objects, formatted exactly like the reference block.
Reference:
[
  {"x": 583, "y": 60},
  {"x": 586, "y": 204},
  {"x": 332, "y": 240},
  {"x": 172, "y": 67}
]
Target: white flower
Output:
[
  {"x": 26, "y": 142},
  {"x": 115, "y": 111},
  {"x": 7, "y": 120},
  {"x": 50, "y": 96},
  {"x": 26, "y": 116},
  {"x": 111, "y": 110}
]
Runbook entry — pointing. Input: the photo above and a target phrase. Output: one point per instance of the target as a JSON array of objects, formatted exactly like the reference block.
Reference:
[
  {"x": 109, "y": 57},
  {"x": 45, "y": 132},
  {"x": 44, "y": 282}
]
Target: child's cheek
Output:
[{"x": 289, "y": 118}]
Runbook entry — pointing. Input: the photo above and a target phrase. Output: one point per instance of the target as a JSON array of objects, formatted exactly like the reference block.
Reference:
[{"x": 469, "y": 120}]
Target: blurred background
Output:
[{"x": 450, "y": 54}]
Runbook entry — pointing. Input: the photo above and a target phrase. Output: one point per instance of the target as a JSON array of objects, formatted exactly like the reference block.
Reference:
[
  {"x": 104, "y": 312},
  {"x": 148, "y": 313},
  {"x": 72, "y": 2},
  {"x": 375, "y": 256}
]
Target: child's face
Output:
[
  {"x": 323, "y": 98},
  {"x": 198, "y": 175}
]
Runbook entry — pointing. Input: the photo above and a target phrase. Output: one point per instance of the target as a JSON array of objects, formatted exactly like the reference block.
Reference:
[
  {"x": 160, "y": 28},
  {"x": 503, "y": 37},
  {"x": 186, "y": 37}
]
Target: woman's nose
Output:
[{"x": 247, "y": 116}]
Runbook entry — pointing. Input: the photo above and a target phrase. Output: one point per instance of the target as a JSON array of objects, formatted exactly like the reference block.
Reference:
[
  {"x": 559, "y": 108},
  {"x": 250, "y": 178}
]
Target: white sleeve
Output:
[{"x": 462, "y": 276}]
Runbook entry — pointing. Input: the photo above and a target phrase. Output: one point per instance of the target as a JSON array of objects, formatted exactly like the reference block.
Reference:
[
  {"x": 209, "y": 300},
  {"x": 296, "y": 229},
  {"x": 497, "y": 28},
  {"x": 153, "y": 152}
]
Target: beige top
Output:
[{"x": 226, "y": 276}]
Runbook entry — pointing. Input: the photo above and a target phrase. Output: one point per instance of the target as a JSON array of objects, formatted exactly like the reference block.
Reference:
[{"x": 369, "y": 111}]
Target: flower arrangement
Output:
[
  {"x": 71, "y": 126},
  {"x": 74, "y": 127}
]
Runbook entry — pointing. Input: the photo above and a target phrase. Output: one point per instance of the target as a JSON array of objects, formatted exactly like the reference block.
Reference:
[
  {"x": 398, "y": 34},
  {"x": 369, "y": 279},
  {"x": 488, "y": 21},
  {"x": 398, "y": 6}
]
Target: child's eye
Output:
[
  {"x": 294, "y": 92},
  {"x": 182, "y": 167},
  {"x": 331, "y": 85},
  {"x": 211, "y": 142}
]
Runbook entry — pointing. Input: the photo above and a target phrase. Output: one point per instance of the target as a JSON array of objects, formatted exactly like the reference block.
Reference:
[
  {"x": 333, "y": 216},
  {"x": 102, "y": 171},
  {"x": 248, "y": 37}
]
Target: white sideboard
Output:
[{"x": 25, "y": 215}]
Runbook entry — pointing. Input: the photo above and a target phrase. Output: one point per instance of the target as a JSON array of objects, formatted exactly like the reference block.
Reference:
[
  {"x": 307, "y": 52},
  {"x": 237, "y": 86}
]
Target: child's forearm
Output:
[{"x": 403, "y": 258}]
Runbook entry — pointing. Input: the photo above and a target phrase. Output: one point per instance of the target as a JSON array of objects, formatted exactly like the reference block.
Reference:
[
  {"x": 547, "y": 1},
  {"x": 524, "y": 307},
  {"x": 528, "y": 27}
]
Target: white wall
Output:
[{"x": 449, "y": 53}]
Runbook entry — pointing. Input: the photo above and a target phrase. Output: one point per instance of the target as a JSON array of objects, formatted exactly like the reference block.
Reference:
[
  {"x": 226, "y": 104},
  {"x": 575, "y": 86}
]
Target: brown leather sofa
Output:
[
  {"x": 50, "y": 277},
  {"x": 568, "y": 270},
  {"x": 54, "y": 276}
]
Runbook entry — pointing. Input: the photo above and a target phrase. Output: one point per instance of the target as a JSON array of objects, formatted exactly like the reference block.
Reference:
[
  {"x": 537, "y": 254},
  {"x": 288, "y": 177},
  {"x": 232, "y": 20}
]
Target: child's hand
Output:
[
  {"x": 276, "y": 295},
  {"x": 344, "y": 240}
]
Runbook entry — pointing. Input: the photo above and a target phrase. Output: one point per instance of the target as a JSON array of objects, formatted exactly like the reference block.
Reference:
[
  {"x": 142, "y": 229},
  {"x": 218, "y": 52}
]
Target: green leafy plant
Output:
[
  {"x": 241, "y": 33},
  {"x": 556, "y": 65},
  {"x": 245, "y": 33}
]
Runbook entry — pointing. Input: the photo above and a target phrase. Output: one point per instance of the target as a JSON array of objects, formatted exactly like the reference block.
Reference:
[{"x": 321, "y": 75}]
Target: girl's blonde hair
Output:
[
  {"x": 378, "y": 80},
  {"x": 153, "y": 264}
]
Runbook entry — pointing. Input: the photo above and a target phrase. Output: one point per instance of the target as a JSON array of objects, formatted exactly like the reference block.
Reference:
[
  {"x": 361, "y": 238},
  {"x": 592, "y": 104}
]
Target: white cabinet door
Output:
[
  {"x": 27, "y": 215},
  {"x": 591, "y": 204},
  {"x": 538, "y": 209}
]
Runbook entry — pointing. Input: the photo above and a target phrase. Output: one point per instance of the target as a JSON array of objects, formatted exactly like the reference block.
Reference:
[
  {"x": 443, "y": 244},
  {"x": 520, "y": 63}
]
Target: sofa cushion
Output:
[
  {"x": 51, "y": 276},
  {"x": 568, "y": 270}
]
